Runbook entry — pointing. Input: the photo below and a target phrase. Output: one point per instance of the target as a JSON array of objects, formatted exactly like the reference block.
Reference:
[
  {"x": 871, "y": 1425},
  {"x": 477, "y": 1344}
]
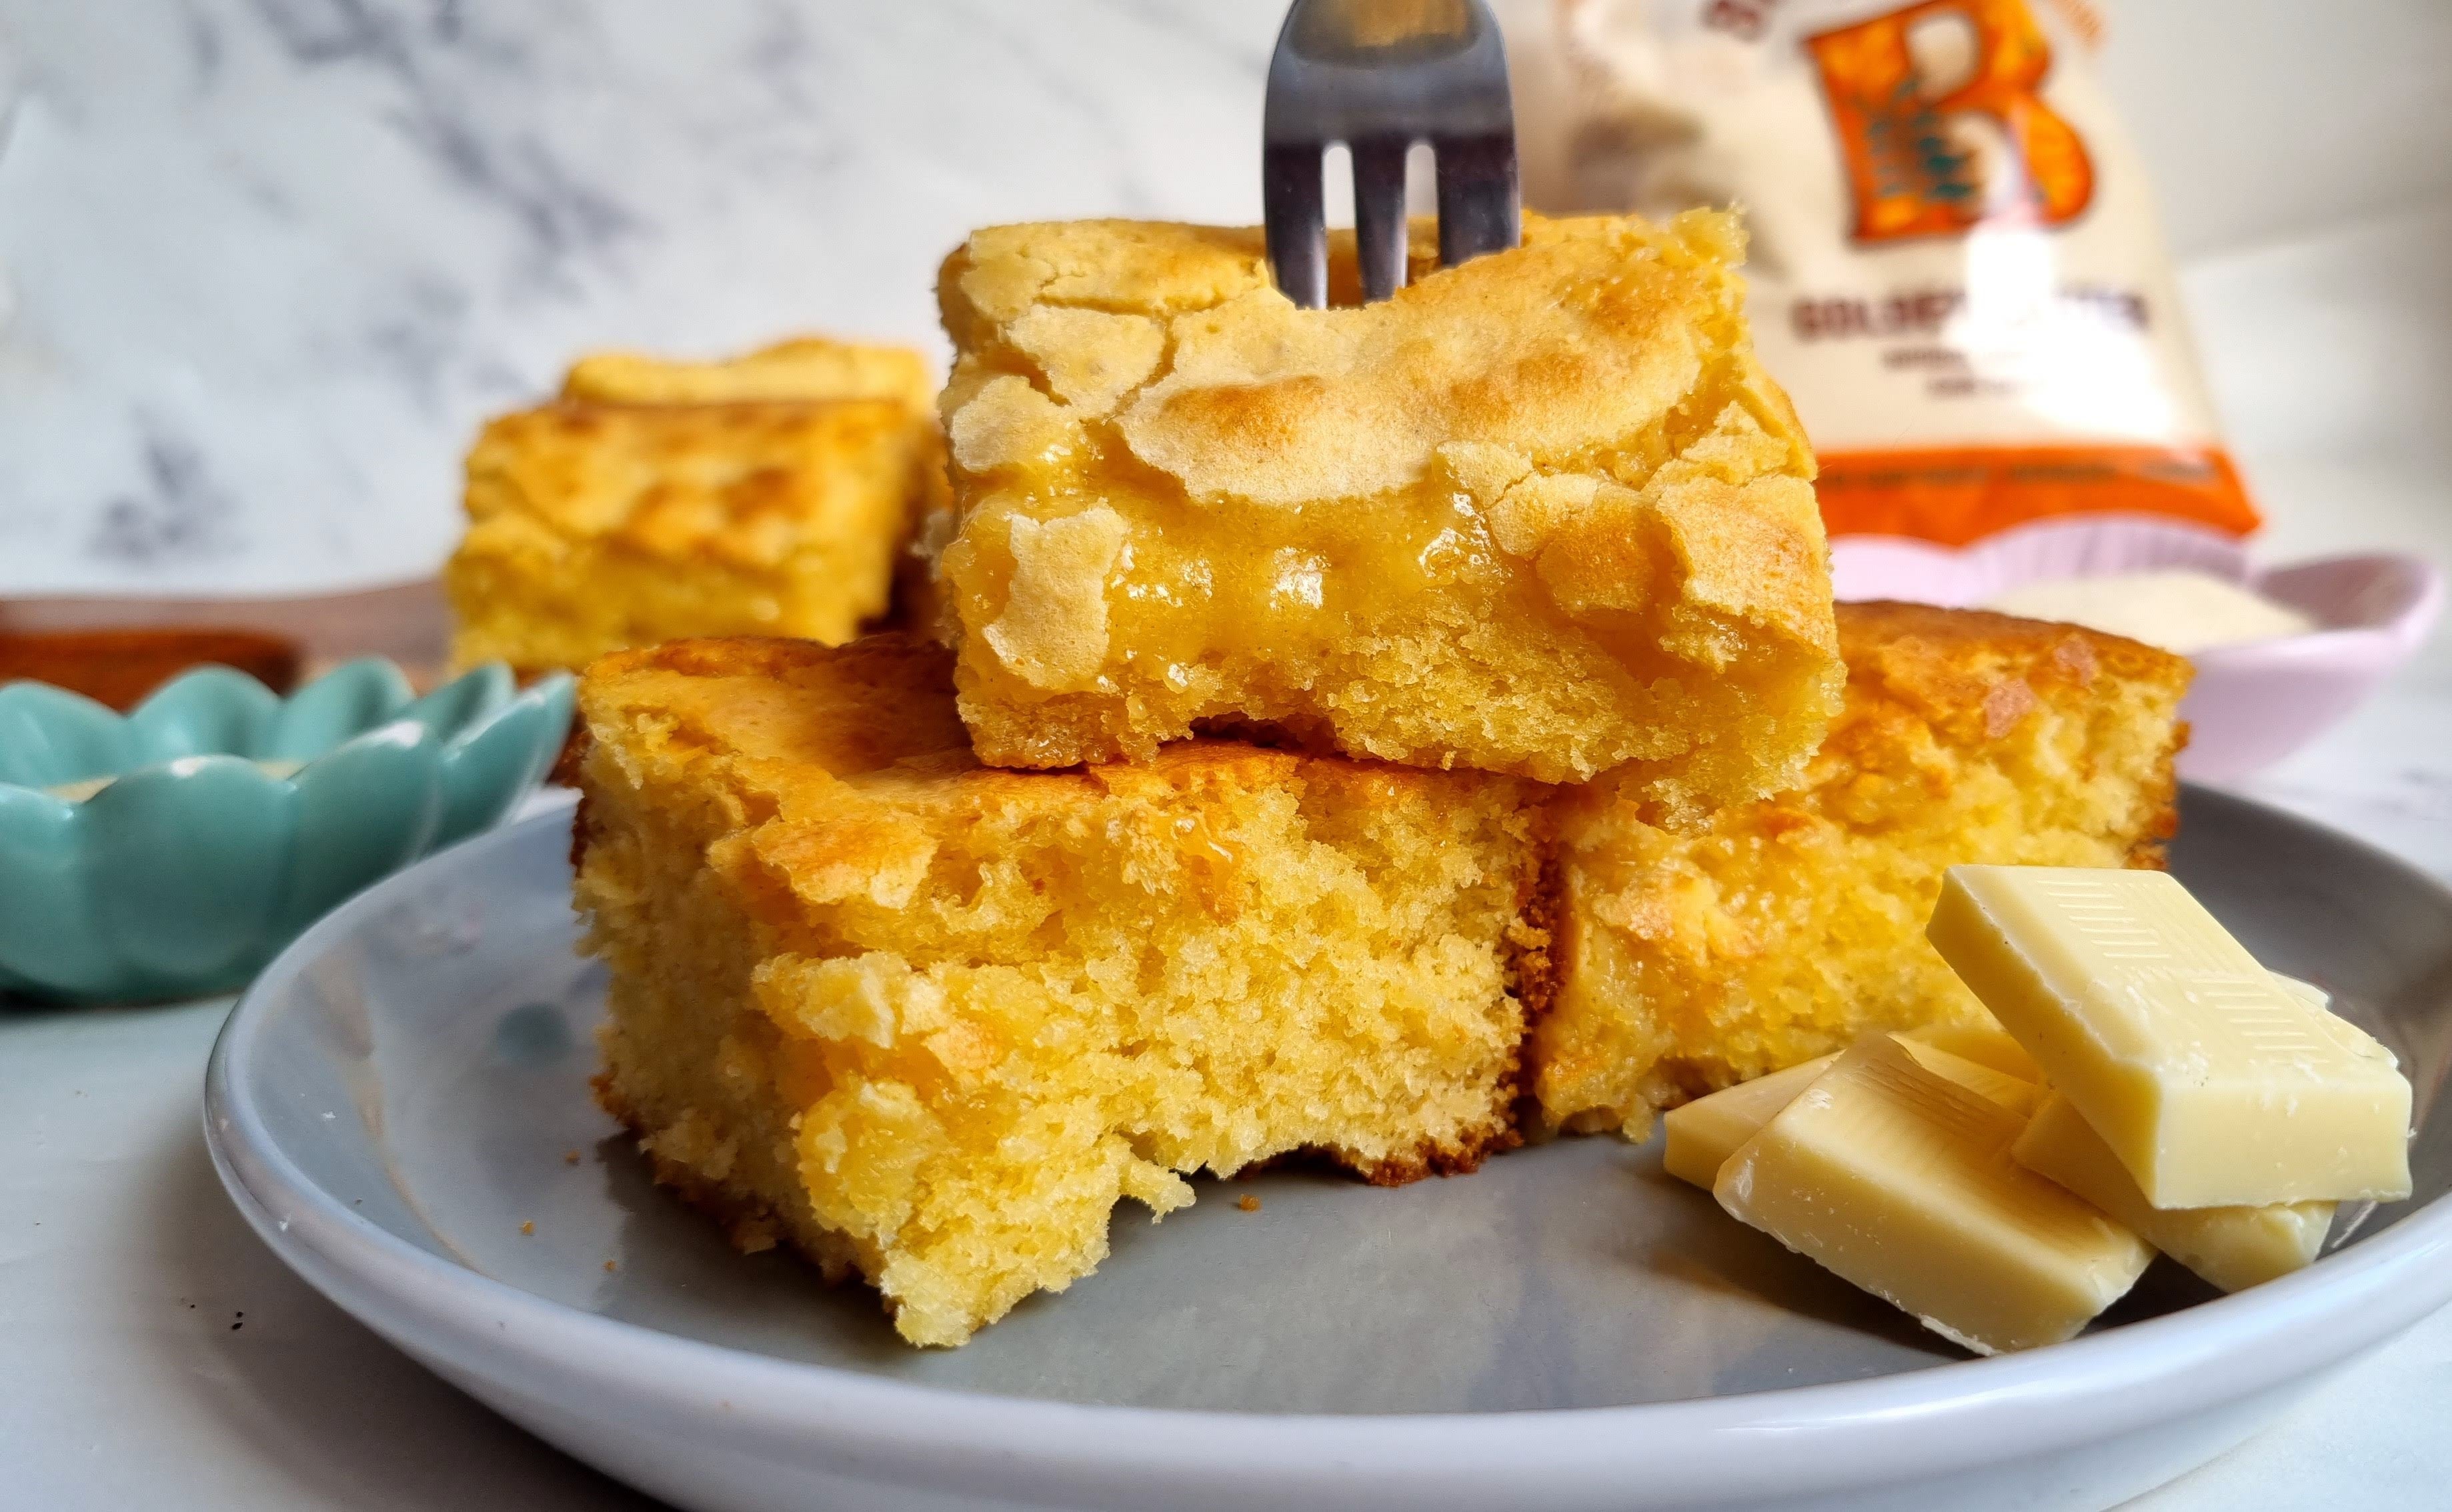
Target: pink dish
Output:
[{"x": 2252, "y": 703}]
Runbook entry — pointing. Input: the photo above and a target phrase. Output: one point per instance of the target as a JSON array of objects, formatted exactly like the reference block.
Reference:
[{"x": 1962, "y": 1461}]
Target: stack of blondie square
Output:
[{"x": 1380, "y": 735}]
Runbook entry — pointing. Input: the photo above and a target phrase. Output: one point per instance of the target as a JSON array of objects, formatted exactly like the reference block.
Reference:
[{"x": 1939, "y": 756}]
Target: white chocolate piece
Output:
[
  {"x": 2015, "y": 1093},
  {"x": 1698, "y": 1137},
  {"x": 1900, "y": 1180},
  {"x": 2308, "y": 993},
  {"x": 2233, "y": 1248},
  {"x": 2215, "y": 1086},
  {"x": 1984, "y": 1043}
]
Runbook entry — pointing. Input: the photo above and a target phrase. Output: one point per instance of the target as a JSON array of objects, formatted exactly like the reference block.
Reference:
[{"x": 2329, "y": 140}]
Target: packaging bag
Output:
[{"x": 1955, "y": 267}]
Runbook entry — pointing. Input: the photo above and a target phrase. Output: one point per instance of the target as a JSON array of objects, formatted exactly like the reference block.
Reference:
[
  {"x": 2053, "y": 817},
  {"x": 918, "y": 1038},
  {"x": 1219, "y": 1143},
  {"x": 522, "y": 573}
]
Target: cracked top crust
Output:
[{"x": 1593, "y": 330}]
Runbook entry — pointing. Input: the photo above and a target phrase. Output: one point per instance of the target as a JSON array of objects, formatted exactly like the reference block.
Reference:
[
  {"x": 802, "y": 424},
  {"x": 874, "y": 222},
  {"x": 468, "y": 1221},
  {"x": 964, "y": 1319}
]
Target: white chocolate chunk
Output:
[
  {"x": 1698, "y": 1137},
  {"x": 1900, "y": 1180},
  {"x": 2213, "y": 1084},
  {"x": 1984, "y": 1043},
  {"x": 2308, "y": 993},
  {"x": 2233, "y": 1248},
  {"x": 2014, "y": 1093}
]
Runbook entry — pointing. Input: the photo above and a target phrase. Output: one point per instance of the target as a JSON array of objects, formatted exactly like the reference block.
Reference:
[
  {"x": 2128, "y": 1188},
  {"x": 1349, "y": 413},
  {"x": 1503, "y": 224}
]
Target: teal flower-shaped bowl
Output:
[{"x": 171, "y": 851}]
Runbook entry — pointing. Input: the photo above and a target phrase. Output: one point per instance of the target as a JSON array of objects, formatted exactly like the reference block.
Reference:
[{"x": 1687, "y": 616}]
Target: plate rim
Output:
[{"x": 2096, "y": 1387}]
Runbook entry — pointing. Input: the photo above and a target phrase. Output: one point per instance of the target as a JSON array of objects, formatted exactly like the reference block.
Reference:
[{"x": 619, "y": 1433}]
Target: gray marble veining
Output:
[{"x": 273, "y": 260}]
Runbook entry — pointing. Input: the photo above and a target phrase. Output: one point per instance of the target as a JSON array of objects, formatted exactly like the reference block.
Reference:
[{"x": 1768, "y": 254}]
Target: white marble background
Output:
[
  {"x": 271, "y": 260},
  {"x": 266, "y": 264}
]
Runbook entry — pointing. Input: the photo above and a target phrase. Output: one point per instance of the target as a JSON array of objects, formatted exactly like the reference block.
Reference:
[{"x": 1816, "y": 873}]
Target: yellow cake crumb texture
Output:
[
  {"x": 660, "y": 500},
  {"x": 929, "y": 1022},
  {"x": 1542, "y": 513},
  {"x": 1691, "y": 961}
]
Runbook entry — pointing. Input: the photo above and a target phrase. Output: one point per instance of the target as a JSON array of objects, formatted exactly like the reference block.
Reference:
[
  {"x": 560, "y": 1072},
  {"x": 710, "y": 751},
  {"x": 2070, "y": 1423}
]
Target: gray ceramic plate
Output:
[{"x": 405, "y": 1091}]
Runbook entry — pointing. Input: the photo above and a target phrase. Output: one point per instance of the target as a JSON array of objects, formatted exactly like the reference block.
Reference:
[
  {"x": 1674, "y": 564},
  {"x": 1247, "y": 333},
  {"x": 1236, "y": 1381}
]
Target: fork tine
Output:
[
  {"x": 1479, "y": 210},
  {"x": 1380, "y": 75},
  {"x": 1292, "y": 199},
  {"x": 1379, "y": 214}
]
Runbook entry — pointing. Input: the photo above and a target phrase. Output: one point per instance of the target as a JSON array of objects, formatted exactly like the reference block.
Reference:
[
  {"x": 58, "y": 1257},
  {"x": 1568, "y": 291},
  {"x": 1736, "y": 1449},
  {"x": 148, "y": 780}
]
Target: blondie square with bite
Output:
[
  {"x": 931, "y": 1022},
  {"x": 1541, "y": 514}
]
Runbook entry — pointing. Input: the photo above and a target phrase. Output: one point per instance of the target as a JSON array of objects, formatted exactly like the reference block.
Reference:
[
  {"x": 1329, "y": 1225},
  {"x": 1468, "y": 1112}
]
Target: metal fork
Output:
[{"x": 1380, "y": 75}]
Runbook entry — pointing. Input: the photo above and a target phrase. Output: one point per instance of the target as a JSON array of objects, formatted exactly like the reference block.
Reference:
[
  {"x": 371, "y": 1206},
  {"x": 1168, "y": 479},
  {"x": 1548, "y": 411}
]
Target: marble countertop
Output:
[
  {"x": 264, "y": 263},
  {"x": 270, "y": 262}
]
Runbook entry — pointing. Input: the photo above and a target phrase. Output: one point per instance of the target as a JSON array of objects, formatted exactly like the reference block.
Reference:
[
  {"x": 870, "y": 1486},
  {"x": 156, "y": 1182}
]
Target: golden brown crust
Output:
[
  {"x": 566, "y": 769},
  {"x": 1590, "y": 333},
  {"x": 1448, "y": 1158},
  {"x": 1534, "y": 971},
  {"x": 806, "y": 367},
  {"x": 1001, "y": 271},
  {"x": 1965, "y": 638},
  {"x": 1539, "y": 968},
  {"x": 1276, "y": 404},
  {"x": 675, "y": 480}
]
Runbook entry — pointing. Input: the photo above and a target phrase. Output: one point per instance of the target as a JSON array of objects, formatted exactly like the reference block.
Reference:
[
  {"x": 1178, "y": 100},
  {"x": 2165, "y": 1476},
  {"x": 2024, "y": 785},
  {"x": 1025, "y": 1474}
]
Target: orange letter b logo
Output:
[{"x": 1901, "y": 96}]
